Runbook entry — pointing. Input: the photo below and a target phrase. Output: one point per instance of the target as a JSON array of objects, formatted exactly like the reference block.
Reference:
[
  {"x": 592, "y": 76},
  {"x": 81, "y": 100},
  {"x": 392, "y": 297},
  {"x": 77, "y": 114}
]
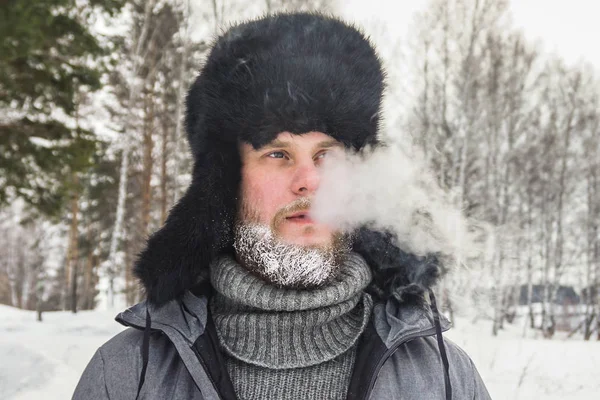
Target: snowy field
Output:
[
  {"x": 534, "y": 368},
  {"x": 44, "y": 360}
]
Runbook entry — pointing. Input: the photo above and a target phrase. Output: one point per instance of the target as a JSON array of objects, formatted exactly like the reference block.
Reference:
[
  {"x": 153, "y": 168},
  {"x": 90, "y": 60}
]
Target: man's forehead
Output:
[{"x": 311, "y": 139}]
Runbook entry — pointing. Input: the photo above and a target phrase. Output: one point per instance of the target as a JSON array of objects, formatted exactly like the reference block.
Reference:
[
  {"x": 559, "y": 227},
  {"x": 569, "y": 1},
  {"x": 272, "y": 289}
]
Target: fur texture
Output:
[{"x": 287, "y": 72}]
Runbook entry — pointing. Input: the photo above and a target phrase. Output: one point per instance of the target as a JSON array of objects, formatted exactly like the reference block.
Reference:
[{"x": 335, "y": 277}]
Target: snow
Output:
[
  {"x": 520, "y": 368},
  {"x": 45, "y": 360}
]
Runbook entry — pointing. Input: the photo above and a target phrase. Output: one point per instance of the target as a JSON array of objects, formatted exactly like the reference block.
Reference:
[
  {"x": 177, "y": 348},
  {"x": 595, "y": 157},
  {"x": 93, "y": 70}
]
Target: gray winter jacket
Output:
[{"x": 397, "y": 358}]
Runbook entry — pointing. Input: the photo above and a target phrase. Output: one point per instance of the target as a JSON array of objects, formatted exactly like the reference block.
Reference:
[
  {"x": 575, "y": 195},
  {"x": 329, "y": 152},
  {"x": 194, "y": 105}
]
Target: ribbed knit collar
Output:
[{"x": 279, "y": 328}]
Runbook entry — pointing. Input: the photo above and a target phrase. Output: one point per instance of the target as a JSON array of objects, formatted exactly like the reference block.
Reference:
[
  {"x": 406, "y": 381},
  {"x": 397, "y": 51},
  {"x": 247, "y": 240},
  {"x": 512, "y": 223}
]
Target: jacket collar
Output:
[
  {"x": 187, "y": 316},
  {"x": 393, "y": 321}
]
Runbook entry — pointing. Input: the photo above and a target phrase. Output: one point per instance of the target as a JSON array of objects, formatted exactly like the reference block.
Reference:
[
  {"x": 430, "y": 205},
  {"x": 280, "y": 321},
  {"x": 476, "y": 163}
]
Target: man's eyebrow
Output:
[
  {"x": 275, "y": 143},
  {"x": 330, "y": 143},
  {"x": 281, "y": 144}
]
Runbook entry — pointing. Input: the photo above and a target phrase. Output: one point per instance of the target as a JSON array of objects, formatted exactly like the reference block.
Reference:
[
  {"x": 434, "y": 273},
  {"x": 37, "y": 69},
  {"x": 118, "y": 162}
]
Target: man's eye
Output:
[
  {"x": 276, "y": 154},
  {"x": 321, "y": 156}
]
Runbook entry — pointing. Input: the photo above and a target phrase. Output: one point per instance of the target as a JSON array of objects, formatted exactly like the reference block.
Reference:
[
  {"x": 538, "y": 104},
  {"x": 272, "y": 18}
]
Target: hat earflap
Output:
[{"x": 198, "y": 228}]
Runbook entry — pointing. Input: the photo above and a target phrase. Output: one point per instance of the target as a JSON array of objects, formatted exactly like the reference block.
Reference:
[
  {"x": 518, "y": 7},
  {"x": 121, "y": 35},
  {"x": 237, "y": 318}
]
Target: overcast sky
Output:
[{"x": 570, "y": 28}]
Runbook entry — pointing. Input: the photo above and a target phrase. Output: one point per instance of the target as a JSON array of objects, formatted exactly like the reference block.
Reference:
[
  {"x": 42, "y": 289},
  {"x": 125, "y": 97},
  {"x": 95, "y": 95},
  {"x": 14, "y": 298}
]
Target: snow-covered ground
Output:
[
  {"x": 44, "y": 360},
  {"x": 532, "y": 368}
]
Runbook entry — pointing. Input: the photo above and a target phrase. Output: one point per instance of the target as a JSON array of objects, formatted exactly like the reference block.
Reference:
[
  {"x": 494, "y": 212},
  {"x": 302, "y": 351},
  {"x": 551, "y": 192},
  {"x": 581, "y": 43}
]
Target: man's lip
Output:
[
  {"x": 298, "y": 214},
  {"x": 296, "y": 217}
]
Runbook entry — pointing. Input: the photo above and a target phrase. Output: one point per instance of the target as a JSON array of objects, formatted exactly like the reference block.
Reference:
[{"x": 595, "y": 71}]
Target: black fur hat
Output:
[{"x": 287, "y": 72}]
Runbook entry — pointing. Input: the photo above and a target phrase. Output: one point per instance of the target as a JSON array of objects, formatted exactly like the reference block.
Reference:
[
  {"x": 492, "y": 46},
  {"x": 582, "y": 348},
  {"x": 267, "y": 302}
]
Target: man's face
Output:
[{"x": 278, "y": 182}]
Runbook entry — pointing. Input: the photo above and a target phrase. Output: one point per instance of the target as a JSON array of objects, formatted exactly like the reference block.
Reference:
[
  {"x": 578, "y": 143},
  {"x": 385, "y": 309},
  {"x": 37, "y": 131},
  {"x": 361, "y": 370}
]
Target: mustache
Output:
[{"x": 301, "y": 204}]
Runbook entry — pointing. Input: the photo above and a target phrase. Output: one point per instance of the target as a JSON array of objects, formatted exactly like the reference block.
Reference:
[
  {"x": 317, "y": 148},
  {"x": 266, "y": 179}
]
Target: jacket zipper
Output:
[
  {"x": 205, "y": 367},
  {"x": 388, "y": 354}
]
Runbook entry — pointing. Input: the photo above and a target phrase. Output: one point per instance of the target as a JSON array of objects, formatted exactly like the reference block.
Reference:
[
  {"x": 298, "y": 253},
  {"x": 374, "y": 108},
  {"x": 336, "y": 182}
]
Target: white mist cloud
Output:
[{"x": 391, "y": 188}]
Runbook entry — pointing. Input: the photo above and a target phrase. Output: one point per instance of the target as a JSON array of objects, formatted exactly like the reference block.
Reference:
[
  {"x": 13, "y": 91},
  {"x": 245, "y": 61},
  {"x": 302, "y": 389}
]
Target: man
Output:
[{"x": 247, "y": 296}]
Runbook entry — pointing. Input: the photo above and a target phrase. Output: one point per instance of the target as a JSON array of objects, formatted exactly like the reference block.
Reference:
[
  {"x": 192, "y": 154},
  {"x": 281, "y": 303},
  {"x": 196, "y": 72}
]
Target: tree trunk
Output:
[
  {"x": 530, "y": 257},
  {"x": 116, "y": 237},
  {"x": 562, "y": 191},
  {"x": 73, "y": 254},
  {"x": 180, "y": 140},
  {"x": 88, "y": 287},
  {"x": 592, "y": 287},
  {"x": 146, "y": 188},
  {"x": 148, "y": 146},
  {"x": 39, "y": 291},
  {"x": 163, "y": 164},
  {"x": 129, "y": 278},
  {"x": 546, "y": 222}
]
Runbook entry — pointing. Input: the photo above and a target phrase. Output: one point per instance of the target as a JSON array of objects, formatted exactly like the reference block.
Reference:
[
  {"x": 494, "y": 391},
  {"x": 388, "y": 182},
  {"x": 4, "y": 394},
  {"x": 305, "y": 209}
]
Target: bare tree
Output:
[{"x": 137, "y": 55}]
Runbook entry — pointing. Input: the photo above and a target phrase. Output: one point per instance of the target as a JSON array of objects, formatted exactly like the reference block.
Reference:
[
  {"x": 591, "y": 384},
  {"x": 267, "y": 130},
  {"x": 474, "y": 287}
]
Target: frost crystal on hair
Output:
[{"x": 283, "y": 264}]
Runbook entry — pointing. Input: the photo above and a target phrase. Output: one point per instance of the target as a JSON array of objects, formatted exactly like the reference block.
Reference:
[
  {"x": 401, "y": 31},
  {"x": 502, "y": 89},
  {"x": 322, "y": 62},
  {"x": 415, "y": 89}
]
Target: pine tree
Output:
[{"x": 48, "y": 56}]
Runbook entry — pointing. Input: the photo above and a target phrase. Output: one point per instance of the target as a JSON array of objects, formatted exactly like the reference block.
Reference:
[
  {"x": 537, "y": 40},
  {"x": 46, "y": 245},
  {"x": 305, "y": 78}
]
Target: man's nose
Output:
[{"x": 306, "y": 179}]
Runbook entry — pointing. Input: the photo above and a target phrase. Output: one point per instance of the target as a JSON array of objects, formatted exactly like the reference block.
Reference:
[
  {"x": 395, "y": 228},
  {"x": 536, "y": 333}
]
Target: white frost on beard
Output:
[{"x": 283, "y": 264}]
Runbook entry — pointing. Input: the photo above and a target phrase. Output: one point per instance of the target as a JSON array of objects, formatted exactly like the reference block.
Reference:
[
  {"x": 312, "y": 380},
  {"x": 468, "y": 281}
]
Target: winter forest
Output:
[{"x": 93, "y": 155}]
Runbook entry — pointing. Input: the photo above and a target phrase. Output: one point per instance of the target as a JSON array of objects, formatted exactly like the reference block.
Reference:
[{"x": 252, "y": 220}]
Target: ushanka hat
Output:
[{"x": 281, "y": 73}]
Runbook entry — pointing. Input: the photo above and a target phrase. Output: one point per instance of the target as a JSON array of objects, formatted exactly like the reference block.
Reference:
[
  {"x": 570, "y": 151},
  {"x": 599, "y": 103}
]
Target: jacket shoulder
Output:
[
  {"x": 111, "y": 369},
  {"x": 467, "y": 374},
  {"x": 114, "y": 371},
  {"x": 123, "y": 352},
  {"x": 416, "y": 367},
  {"x": 122, "y": 344}
]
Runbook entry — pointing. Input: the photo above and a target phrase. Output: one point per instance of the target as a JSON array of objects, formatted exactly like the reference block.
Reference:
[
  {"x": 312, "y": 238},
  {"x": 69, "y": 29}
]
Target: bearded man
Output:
[{"x": 248, "y": 297}]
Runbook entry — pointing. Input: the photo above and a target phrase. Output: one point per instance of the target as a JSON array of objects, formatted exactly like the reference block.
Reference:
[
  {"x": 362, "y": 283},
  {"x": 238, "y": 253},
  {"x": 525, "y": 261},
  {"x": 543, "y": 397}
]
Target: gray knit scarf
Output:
[{"x": 279, "y": 328}]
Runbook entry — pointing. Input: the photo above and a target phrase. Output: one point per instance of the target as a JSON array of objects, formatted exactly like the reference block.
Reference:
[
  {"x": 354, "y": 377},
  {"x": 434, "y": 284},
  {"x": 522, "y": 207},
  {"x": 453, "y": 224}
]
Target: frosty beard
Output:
[{"x": 283, "y": 264}]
